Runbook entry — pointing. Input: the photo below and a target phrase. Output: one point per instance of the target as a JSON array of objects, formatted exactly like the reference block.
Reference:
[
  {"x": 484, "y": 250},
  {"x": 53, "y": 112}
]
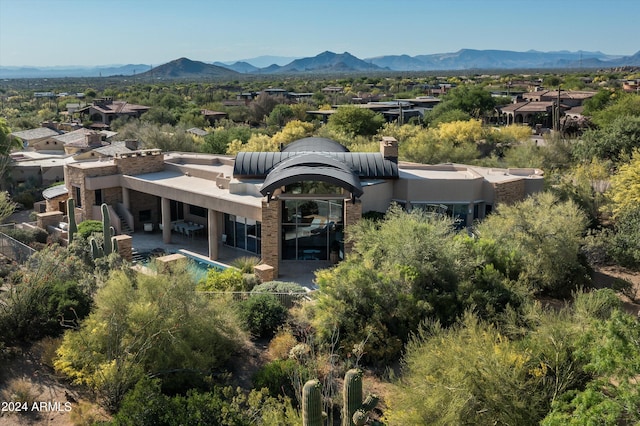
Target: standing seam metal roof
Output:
[{"x": 366, "y": 165}]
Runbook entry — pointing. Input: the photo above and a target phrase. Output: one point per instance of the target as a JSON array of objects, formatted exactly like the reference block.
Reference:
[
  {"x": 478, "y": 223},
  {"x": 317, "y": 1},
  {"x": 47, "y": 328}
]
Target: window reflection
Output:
[
  {"x": 242, "y": 233},
  {"x": 311, "y": 229}
]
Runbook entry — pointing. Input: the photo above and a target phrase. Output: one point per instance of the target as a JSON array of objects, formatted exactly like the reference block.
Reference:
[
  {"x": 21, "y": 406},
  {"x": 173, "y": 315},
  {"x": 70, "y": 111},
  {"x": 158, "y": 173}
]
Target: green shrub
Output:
[
  {"x": 28, "y": 236},
  {"x": 224, "y": 406},
  {"x": 88, "y": 227},
  {"x": 230, "y": 279},
  {"x": 278, "y": 287},
  {"x": 625, "y": 242},
  {"x": 249, "y": 281},
  {"x": 36, "y": 308},
  {"x": 262, "y": 314},
  {"x": 276, "y": 376}
]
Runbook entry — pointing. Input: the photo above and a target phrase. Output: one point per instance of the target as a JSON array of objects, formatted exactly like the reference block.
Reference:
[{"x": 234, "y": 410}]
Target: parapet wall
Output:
[{"x": 140, "y": 162}]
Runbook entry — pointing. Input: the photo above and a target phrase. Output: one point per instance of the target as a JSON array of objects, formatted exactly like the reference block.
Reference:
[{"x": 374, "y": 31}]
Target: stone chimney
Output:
[
  {"x": 389, "y": 148},
  {"x": 94, "y": 139},
  {"x": 132, "y": 144}
]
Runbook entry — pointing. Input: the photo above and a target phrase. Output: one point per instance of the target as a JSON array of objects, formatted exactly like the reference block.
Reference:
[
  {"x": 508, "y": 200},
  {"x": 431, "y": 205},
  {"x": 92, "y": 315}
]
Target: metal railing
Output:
[{"x": 14, "y": 249}]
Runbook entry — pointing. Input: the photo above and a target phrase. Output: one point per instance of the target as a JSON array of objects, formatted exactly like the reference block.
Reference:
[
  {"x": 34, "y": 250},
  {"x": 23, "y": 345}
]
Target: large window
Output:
[
  {"x": 98, "y": 193},
  {"x": 78, "y": 194},
  {"x": 313, "y": 187},
  {"x": 197, "y": 211},
  {"x": 243, "y": 233},
  {"x": 311, "y": 229}
]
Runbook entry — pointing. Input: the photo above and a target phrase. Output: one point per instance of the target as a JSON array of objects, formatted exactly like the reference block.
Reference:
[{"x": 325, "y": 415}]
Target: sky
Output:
[{"x": 153, "y": 32}]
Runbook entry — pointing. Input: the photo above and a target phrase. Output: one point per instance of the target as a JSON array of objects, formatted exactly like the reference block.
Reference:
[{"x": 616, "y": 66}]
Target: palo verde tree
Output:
[
  {"x": 402, "y": 270},
  {"x": 353, "y": 121},
  {"x": 148, "y": 325},
  {"x": 542, "y": 235}
]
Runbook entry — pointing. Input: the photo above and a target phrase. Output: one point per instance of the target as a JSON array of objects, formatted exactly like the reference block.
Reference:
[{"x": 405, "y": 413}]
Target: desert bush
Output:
[
  {"x": 230, "y": 279},
  {"x": 88, "y": 227},
  {"x": 625, "y": 242},
  {"x": 281, "y": 344},
  {"x": 276, "y": 377},
  {"x": 245, "y": 263},
  {"x": 148, "y": 325},
  {"x": 20, "y": 390},
  {"x": 28, "y": 236},
  {"x": 46, "y": 349},
  {"x": 262, "y": 314},
  {"x": 224, "y": 406},
  {"x": 278, "y": 287}
]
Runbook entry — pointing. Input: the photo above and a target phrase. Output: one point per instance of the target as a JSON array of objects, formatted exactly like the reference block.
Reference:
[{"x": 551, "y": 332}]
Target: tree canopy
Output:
[{"x": 148, "y": 325}]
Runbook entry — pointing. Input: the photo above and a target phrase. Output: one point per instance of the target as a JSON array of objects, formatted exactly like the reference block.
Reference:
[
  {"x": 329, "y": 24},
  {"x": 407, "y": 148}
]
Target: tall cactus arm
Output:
[{"x": 311, "y": 404}]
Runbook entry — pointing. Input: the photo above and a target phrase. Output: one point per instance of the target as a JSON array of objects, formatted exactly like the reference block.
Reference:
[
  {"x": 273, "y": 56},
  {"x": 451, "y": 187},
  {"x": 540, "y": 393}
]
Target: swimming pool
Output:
[{"x": 199, "y": 265}]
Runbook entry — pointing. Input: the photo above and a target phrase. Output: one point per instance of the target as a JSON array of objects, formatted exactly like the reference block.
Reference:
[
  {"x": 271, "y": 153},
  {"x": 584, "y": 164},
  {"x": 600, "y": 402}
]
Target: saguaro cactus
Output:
[
  {"x": 354, "y": 411},
  {"x": 71, "y": 212},
  {"x": 110, "y": 243},
  {"x": 311, "y": 404},
  {"x": 107, "y": 231}
]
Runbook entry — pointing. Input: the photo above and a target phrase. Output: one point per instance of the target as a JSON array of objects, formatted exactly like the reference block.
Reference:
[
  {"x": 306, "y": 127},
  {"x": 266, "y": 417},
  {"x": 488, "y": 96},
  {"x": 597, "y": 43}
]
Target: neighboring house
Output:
[
  {"x": 631, "y": 86},
  {"x": 570, "y": 98},
  {"x": 212, "y": 116},
  {"x": 528, "y": 113},
  {"x": 538, "y": 107},
  {"x": 108, "y": 151},
  {"x": 80, "y": 140},
  {"x": 105, "y": 110},
  {"x": 197, "y": 132},
  {"x": 39, "y": 139},
  {"x": 283, "y": 206},
  {"x": 42, "y": 169}
]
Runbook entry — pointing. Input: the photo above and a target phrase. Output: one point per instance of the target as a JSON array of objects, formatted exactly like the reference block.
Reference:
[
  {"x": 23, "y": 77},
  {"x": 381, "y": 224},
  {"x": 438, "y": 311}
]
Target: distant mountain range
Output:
[{"x": 329, "y": 62}]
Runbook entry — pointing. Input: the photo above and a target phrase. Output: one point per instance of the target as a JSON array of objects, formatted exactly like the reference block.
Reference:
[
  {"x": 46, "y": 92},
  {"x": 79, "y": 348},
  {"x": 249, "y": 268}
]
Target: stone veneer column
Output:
[
  {"x": 271, "y": 220},
  {"x": 214, "y": 232},
  {"x": 509, "y": 192},
  {"x": 166, "y": 220},
  {"x": 49, "y": 219},
  {"x": 125, "y": 249},
  {"x": 352, "y": 214}
]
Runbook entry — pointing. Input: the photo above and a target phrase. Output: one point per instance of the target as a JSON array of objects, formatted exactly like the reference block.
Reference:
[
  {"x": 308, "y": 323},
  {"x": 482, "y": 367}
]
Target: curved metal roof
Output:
[
  {"x": 313, "y": 167},
  {"x": 54, "y": 191},
  {"x": 366, "y": 165},
  {"x": 314, "y": 144}
]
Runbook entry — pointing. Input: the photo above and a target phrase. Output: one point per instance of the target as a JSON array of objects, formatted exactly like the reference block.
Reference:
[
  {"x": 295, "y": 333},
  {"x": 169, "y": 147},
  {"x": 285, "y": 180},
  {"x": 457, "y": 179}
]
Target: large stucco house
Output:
[{"x": 282, "y": 206}]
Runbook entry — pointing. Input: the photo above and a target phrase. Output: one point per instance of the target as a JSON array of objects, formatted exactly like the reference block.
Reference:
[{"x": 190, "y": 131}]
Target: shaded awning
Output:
[{"x": 312, "y": 167}]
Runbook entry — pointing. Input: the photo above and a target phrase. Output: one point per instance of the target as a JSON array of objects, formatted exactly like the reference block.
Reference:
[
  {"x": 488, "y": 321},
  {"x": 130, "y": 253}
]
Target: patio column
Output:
[
  {"x": 213, "y": 225},
  {"x": 126, "y": 201},
  {"x": 166, "y": 220}
]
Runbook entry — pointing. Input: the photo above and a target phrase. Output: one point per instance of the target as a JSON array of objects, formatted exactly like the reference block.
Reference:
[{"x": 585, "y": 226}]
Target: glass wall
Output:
[
  {"x": 458, "y": 212},
  {"x": 242, "y": 233},
  {"x": 311, "y": 229}
]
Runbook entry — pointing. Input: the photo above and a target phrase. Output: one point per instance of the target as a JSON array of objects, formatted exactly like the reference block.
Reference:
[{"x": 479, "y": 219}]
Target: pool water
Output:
[{"x": 198, "y": 267}]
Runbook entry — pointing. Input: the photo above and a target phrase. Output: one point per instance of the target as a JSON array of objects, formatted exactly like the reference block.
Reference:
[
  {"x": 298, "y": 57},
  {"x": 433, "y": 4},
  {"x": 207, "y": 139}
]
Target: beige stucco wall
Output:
[
  {"x": 377, "y": 197},
  {"x": 439, "y": 190}
]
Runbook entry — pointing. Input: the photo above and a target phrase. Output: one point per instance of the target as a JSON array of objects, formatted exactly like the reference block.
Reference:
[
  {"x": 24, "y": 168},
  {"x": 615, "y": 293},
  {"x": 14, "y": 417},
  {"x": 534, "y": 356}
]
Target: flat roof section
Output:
[
  {"x": 437, "y": 174},
  {"x": 195, "y": 191}
]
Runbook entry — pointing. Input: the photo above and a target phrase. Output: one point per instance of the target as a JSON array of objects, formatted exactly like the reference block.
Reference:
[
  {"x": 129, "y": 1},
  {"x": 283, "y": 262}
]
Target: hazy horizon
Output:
[{"x": 81, "y": 33}]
